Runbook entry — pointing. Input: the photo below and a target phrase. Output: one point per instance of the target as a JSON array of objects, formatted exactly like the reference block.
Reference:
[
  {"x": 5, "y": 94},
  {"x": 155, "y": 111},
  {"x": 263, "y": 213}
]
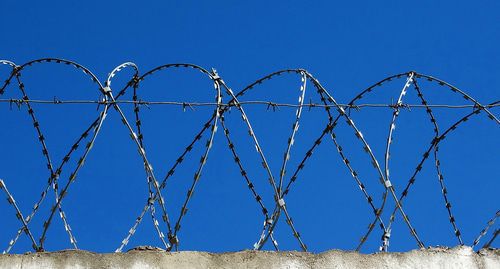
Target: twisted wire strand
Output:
[{"x": 269, "y": 104}]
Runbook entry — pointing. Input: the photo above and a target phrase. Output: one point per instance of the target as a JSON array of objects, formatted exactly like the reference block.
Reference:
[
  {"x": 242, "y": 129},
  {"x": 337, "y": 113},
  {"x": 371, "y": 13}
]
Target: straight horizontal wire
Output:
[{"x": 257, "y": 102}]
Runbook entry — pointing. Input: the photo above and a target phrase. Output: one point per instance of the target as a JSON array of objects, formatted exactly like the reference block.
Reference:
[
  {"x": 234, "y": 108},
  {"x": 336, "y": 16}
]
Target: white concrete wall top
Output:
[{"x": 459, "y": 257}]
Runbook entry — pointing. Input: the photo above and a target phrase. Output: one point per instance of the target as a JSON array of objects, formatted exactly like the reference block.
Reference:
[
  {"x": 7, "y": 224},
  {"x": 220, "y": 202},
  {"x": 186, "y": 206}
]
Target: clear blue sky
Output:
[{"x": 346, "y": 45}]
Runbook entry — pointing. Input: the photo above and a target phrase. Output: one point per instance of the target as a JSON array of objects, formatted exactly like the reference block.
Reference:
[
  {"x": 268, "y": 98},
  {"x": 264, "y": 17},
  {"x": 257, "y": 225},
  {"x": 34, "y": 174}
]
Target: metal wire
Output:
[
  {"x": 56, "y": 101},
  {"x": 281, "y": 183}
]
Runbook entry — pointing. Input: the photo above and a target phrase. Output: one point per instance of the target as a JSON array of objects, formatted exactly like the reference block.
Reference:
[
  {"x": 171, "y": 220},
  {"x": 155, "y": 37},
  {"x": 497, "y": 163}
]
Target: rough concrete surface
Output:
[{"x": 459, "y": 257}]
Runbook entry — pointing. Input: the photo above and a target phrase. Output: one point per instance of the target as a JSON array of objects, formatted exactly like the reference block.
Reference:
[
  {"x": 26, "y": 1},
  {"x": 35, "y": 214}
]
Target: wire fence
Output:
[{"x": 167, "y": 228}]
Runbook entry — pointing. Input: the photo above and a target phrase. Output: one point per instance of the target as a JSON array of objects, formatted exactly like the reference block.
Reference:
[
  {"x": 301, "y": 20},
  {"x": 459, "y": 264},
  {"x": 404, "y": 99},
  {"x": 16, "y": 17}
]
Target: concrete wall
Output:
[{"x": 460, "y": 257}]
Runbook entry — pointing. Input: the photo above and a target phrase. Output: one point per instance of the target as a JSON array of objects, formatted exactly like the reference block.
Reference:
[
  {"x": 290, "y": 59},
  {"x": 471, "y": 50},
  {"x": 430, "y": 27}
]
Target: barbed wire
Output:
[
  {"x": 192, "y": 105},
  {"x": 281, "y": 184}
]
